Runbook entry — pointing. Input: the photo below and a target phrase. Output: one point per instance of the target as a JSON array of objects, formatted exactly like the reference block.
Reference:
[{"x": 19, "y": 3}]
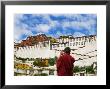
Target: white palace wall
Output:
[{"x": 84, "y": 54}]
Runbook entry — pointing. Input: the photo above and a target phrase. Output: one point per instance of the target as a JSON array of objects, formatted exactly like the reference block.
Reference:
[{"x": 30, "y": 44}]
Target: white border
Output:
[{"x": 100, "y": 79}]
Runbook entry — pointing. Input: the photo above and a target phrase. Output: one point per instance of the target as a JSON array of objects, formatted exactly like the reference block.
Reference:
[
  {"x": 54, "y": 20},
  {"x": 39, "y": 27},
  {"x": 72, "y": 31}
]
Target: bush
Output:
[
  {"x": 36, "y": 63},
  {"x": 76, "y": 69},
  {"x": 40, "y": 63},
  {"x": 36, "y": 74},
  {"x": 23, "y": 59},
  {"x": 43, "y": 74},
  {"x": 52, "y": 61},
  {"x": 19, "y": 74},
  {"x": 90, "y": 70}
]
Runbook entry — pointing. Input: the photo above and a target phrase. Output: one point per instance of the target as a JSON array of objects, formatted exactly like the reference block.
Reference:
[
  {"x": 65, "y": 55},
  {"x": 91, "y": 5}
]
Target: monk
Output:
[{"x": 65, "y": 63}]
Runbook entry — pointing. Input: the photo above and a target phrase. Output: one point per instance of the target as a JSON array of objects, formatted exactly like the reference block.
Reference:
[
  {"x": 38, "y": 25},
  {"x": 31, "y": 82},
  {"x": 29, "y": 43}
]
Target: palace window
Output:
[
  {"x": 73, "y": 44},
  {"x": 82, "y": 38},
  {"x": 76, "y": 43},
  {"x": 44, "y": 44},
  {"x": 84, "y": 43},
  {"x": 86, "y": 40},
  {"x": 89, "y": 39},
  {"x": 79, "y": 43},
  {"x": 70, "y": 44},
  {"x": 79, "y": 39},
  {"x": 70, "y": 40}
]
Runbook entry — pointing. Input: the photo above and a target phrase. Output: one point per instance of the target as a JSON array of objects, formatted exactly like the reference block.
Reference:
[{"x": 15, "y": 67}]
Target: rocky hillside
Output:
[{"x": 32, "y": 40}]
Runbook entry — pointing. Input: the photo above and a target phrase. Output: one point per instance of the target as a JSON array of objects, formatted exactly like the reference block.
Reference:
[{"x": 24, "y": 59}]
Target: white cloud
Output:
[
  {"x": 17, "y": 18},
  {"x": 79, "y": 22},
  {"x": 88, "y": 25},
  {"x": 39, "y": 33},
  {"x": 74, "y": 24},
  {"x": 45, "y": 27},
  {"x": 42, "y": 27},
  {"x": 21, "y": 30},
  {"x": 54, "y": 23},
  {"x": 78, "y": 34},
  {"x": 46, "y": 17},
  {"x": 59, "y": 33},
  {"x": 76, "y": 21},
  {"x": 78, "y": 17}
]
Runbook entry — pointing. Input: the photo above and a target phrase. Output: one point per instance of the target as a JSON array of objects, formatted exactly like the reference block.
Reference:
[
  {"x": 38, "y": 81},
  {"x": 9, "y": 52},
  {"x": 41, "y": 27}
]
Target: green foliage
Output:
[
  {"x": 36, "y": 63},
  {"x": 23, "y": 59},
  {"x": 19, "y": 74},
  {"x": 76, "y": 69},
  {"x": 90, "y": 70},
  {"x": 42, "y": 74},
  {"x": 82, "y": 68},
  {"x": 52, "y": 61},
  {"x": 39, "y": 63},
  {"x": 55, "y": 58},
  {"x": 63, "y": 36},
  {"x": 52, "y": 40}
]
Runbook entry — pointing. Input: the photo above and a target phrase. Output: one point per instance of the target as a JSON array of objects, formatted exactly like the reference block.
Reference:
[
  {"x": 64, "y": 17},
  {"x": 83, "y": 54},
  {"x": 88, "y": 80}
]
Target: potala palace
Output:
[{"x": 83, "y": 49}]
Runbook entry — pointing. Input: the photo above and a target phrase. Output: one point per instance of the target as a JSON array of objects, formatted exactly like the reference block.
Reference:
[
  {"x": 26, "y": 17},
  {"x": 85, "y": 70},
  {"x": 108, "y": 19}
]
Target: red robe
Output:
[{"x": 65, "y": 65}]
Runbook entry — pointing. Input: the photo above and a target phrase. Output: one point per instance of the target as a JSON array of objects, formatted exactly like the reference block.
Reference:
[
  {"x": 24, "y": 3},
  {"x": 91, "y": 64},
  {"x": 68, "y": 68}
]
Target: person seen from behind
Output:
[{"x": 65, "y": 63}]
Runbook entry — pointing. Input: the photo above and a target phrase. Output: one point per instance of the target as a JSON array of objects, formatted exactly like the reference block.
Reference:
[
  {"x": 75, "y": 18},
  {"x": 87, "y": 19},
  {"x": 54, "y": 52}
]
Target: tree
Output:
[
  {"x": 36, "y": 63},
  {"x": 23, "y": 59},
  {"x": 89, "y": 69},
  {"x": 76, "y": 69},
  {"x": 51, "y": 61}
]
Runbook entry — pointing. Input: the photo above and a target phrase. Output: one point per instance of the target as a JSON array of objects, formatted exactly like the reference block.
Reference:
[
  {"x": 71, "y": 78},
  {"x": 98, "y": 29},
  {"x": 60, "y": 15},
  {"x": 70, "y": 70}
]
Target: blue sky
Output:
[{"x": 54, "y": 25}]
